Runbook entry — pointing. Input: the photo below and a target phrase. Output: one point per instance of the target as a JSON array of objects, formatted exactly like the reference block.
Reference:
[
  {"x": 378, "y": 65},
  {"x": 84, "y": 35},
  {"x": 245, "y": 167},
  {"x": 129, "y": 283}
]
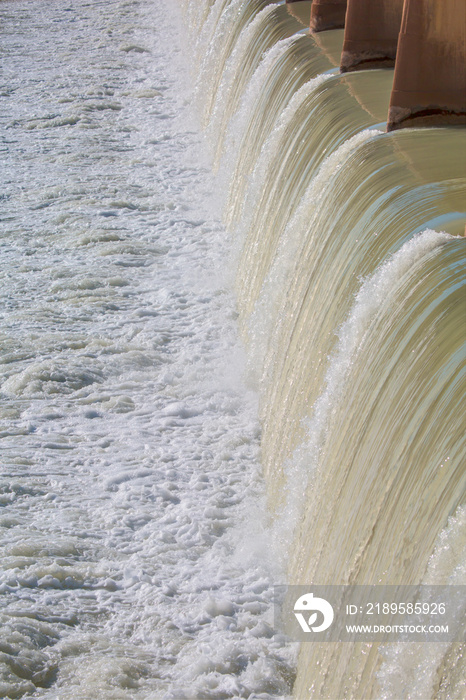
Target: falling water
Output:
[
  {"x": 140, "y": 546},
  {"x": 350, "y": 285}
]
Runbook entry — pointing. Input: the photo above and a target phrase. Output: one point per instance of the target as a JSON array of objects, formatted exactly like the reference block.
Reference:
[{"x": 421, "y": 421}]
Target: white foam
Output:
[{"x": 134, "y": 555}]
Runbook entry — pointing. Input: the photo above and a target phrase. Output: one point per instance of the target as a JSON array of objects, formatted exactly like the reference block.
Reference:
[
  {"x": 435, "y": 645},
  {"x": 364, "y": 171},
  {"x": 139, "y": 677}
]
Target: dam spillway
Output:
[
  {"x": 232, "y": 359},
  {"x": 335, "y": 225}
]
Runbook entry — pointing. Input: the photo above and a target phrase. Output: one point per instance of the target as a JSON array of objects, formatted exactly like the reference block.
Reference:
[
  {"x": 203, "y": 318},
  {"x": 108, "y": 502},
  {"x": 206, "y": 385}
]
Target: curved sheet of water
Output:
[
  {"x": 373, "y": 419},
  {"x": 388, "y": 467},
  {"x": 206, "y": 19},
  {"x": 331, "y": 219},
  {"x": 363, "y": 205},
  {"x": 437, "y": 671},
  {"x": 270, "y": 26},
  {"x": 283, "y": 71},
  {"x": 322, "y": 115},
  {"x": 215, "y": 46}
]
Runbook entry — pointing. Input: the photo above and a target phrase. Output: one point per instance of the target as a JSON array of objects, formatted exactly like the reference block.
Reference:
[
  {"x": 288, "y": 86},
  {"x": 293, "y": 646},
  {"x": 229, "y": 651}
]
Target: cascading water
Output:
[
  {"x": 388, "y": 472},
  {"x": 286, "y": 67},
  {"x": 350, "y": 287},
  {"x": 139, "y": 550},
  {"x": 270, "y": 25}
]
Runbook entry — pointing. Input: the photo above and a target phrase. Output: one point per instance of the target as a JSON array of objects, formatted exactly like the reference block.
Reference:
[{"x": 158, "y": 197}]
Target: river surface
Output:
[{"x": 135, "y": 562}]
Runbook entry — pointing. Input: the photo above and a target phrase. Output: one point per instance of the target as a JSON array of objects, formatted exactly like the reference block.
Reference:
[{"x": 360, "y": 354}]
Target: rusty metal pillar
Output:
[
  {"x": 429, "y": 86},
  {"x": 371, "y": 34},
  {"x": 327, "y": 14}
]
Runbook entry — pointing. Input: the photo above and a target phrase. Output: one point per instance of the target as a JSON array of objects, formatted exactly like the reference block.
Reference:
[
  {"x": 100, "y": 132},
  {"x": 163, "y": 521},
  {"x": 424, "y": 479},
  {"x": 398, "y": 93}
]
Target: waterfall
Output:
[{"x": 350, "y": 285}]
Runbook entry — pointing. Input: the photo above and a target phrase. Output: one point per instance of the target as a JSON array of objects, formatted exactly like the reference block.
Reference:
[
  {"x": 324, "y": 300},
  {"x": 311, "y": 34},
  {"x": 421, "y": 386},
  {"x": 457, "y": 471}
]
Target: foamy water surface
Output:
[{"x": 134, "y": 557}]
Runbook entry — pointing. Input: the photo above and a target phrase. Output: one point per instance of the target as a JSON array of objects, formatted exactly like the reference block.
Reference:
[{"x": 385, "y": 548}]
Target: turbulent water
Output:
[
  {"x": 139, "y": 544},
  {"x": 130, "y": 470}
]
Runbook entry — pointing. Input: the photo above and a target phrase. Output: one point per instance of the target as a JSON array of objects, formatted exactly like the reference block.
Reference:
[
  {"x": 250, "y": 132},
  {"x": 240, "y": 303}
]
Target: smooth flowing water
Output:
[{"x": 350, "y": 286}]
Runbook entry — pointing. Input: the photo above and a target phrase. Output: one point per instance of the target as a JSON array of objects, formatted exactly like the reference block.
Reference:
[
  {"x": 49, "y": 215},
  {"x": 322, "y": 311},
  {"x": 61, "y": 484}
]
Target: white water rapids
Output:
[{"x": 134, "y": 561}]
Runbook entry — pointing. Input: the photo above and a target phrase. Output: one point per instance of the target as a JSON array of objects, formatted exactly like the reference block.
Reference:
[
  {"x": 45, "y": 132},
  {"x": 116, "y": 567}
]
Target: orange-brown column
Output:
[
  {"x": 371, "y": 34},
  {"x": 429, "y": 85},
  {"x": 327, "y": 14}
]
